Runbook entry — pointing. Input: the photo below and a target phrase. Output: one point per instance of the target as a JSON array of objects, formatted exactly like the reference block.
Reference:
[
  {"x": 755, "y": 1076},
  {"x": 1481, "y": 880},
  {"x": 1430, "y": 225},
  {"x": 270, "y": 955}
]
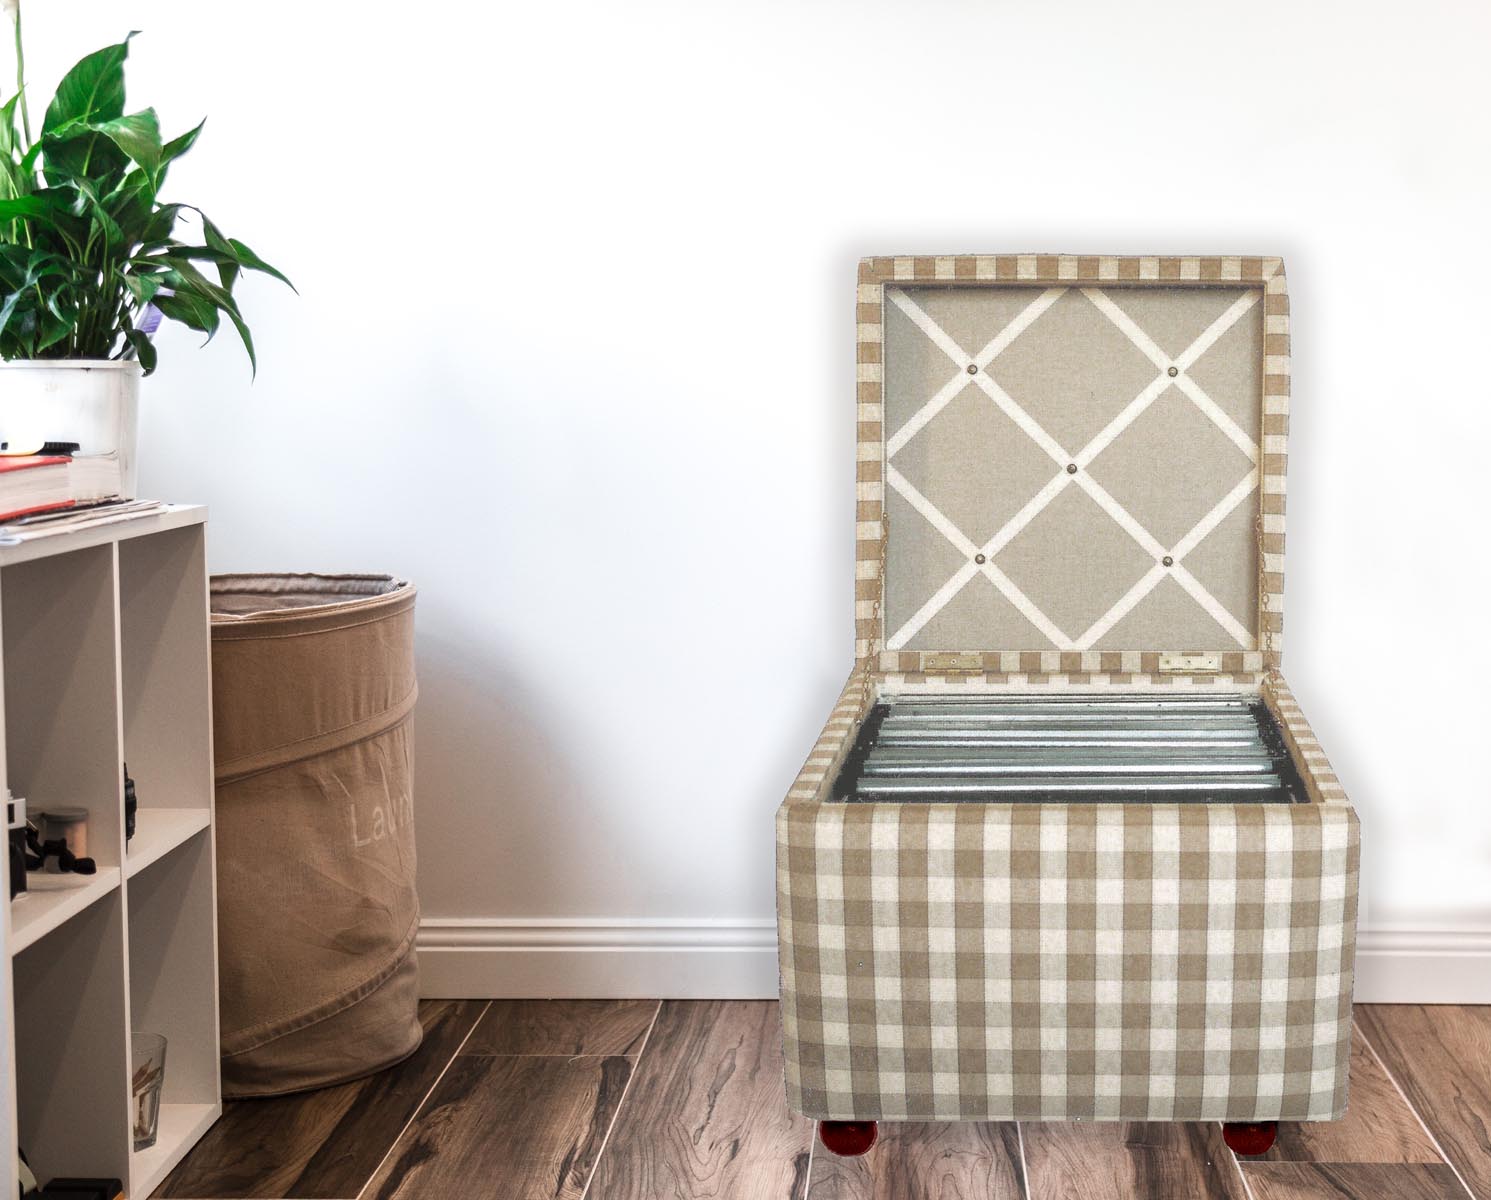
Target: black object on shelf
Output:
[
  {"x": 48, "y": 449},
  {"x": 15, "y": 825},
  {"x": 130, "y": 804},
  {"x": 83, "y": 1189},
  {"x": 38, "y": 851}
]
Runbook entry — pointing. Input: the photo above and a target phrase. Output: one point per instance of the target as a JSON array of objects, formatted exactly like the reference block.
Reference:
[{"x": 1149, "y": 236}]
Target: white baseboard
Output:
[
  {"x": 578, "y": 957},
  {"x": 1399, "y": 965}
]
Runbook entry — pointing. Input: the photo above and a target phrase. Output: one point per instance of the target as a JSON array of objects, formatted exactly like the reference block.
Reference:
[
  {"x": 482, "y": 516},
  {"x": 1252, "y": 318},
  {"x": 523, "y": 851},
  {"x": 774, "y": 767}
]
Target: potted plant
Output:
[{"x": 90, "y": 262}]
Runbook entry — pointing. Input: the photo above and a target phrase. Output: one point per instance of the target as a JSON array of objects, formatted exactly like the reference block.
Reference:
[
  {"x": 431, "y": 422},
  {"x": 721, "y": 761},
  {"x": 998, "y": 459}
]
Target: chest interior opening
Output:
[{"x": 1077, "y": 749}]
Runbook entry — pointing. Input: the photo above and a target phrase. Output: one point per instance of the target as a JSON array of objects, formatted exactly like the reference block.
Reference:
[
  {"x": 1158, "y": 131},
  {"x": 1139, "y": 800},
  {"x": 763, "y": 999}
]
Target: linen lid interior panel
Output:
[
  {"x": 1066, "y": 454},
  {"x": 1075, "y": 472}
]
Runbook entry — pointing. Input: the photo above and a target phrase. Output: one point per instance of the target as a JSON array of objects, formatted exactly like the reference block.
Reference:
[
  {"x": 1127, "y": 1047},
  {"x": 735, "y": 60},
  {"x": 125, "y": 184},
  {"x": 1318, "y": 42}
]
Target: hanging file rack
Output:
[{"x": 1076, "y": 749}]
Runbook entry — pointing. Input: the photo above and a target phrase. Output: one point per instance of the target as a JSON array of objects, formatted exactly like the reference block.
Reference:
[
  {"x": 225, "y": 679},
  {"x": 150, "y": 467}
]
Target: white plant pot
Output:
[{"x": 92, "y": 401}]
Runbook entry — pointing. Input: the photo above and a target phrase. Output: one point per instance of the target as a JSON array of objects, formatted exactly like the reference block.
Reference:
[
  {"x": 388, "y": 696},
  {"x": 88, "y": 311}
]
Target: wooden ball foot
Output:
[
  {"x": 848, "y": 1139},
  {"x": 1250, "y": 1137}
]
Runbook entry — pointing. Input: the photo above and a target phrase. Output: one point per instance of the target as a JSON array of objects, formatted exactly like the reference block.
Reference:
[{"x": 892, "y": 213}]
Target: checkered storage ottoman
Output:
[{"x": 1070, "y": 484}]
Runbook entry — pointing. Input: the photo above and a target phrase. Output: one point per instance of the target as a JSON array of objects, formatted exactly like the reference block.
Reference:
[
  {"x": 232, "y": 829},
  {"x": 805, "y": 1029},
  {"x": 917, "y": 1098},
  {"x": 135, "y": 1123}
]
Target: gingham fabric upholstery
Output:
[
  {"x": 1109, "y": 962},
  {"x": 1041, "y": 961},
  {"x": 1057, "y": 668}
]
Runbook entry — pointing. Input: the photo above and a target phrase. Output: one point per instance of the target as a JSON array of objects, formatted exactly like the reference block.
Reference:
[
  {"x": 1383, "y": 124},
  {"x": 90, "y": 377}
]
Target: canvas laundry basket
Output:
[{"x": 312, "y": 686}]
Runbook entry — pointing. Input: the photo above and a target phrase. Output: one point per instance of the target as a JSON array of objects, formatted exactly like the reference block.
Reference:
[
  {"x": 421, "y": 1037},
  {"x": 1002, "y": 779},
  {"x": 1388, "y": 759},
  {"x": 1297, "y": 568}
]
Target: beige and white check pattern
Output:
[
  {"x": 1048, "y": 961},
  {"x": 1315, "y": 769},
  {"x": 1060, "y": 668}
]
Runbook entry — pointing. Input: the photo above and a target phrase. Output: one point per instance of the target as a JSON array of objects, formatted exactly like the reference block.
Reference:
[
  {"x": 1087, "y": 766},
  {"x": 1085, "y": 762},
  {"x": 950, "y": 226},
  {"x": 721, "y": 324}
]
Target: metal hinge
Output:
[
  {"x": 953, "y": 661},
  {"x": 1191, "y": 664}
]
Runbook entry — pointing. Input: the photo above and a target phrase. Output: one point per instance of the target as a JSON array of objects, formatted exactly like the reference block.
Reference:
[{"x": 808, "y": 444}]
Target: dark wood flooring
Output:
[{"x": 682, "y": 1100}]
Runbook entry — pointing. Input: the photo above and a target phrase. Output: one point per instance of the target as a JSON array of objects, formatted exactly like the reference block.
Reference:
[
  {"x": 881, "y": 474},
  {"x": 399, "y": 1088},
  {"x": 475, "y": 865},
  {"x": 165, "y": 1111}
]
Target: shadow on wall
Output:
[
  {"x": 524, "y": 810},
  {"x": 500, "y": 809}
]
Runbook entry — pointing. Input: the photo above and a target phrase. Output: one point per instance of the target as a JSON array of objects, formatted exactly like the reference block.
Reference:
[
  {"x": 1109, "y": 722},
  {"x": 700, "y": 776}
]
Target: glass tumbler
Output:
[{"x": 148, "y": 1059}]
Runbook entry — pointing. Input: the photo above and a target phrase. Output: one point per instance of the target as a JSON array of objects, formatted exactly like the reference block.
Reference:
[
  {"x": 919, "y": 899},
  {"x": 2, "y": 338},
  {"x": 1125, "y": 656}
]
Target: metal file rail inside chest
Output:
[{"x": 1067, "y": 847}]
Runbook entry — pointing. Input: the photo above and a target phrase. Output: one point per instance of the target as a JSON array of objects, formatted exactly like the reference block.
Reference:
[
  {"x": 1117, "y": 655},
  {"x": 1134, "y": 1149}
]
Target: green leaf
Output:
[
  {"x": 178, "y": 146},
  {"x": 30, "y": 328},
  {"x": 191, "y": 310},
  {"x": 9, "y": 142},
  {"x": 8, "y": 308},
  {"x": 133, "y": 204},
  {"x": 13, "y": 181},
  {"x": 138, "y": 135},
  {"x": 183, "y": 276},
  {"x": 223, "y": 252},
  {"x": 20, "y": 268},
  {"x": 144, "y": 348},
  {"x": 247, "y": 258},
  {"x": 87, "y": 109},
  {"x": 247, "y": 339},
  {"x": 80, "y": 152},
  {"x": 157, "y": 231},
  {"x": 24, "y": 208},
  {"x": 95, "y": 210},
  {"x": 92, "y": 91},
  {"x": 102, "y": 150},
  {"x": 187, "y": 280},
  {"x": 54, "y": 331},
  {"x": 31, "y": 158},
  {"x": 56, "y": 209},
  {"x": 142, "y": 287}
]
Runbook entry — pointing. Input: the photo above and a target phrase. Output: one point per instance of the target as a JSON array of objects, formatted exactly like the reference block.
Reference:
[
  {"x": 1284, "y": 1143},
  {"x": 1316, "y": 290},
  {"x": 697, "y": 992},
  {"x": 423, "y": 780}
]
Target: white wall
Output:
[{"x": 574, "y": 351}]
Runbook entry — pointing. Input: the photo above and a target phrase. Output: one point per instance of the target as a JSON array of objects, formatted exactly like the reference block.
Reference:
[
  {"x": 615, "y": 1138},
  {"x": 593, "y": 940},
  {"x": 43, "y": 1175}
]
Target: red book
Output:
[
  {"x": 32, "y": 483},
  {"x": 29, "y": 462}
]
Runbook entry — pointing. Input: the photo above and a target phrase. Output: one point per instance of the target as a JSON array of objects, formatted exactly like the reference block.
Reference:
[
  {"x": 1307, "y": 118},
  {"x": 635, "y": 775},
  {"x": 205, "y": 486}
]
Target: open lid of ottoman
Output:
[{"x": 1071, "y": 463}]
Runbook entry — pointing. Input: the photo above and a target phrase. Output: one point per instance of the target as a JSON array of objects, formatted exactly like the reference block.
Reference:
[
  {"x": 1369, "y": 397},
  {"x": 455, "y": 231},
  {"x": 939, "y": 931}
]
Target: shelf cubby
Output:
[
  {"x": 105, "y": 660},
  {"x": 62, "y": 694},
  {"x": 173, "y": 992},
  {"x": 165, "y": 670},
  {"x": 72, "y": 1046}
]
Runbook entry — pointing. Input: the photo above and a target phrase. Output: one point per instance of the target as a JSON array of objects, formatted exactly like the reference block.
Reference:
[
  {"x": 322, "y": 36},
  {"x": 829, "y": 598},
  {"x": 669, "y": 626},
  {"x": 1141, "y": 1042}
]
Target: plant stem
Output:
[
  {"x": 25, "y": 116},
  {"x": 21, "y": 78}
]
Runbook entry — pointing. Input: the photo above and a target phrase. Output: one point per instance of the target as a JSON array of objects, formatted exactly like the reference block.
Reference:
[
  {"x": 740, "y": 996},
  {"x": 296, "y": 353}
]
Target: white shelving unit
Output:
[{"x": 105, "y": 660}]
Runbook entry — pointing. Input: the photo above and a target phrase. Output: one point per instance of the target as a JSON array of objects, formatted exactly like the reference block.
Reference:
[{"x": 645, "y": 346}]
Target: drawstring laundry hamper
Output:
[{"x": 312, "y": 686}]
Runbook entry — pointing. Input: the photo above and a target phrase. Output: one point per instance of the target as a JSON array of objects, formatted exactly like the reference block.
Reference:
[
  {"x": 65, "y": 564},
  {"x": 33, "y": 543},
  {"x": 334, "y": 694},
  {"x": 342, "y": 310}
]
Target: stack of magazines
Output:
[
  {"x": 56, "y": 489},
  {"x": 76, "y": 516}
]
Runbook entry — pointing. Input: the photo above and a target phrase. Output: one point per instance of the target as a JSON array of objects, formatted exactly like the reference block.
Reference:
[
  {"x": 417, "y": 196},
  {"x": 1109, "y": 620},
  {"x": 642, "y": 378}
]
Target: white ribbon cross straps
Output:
[{"x": 982, "y": 379}]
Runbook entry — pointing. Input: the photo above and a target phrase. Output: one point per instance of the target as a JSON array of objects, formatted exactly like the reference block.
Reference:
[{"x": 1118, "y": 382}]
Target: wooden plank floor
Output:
[
  {"x": 682, "y": 1100},
  {"x": 1073, "y": 1161},
  {"x": 325, "y": 1143},
  {"x": 1441, "y": 1058},
  {"x": 952, "y": 1161}
]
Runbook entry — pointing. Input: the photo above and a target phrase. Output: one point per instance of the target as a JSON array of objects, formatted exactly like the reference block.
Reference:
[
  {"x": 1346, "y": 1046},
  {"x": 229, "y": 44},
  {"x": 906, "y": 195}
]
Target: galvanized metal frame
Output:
[{"x": 1121, "y": 749}]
